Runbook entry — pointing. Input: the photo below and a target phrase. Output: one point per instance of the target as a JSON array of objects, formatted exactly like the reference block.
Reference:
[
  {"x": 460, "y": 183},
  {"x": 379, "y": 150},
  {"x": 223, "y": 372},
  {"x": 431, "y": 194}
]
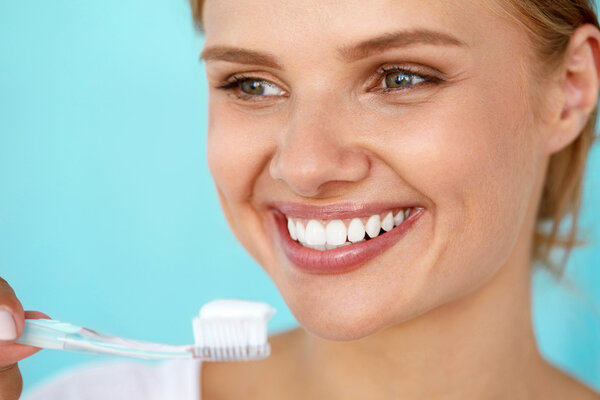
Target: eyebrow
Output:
[
  {"x": 397, "y": 39},
  {"x": 349, "y": 53},
  {"x": 240, "y": 56}
]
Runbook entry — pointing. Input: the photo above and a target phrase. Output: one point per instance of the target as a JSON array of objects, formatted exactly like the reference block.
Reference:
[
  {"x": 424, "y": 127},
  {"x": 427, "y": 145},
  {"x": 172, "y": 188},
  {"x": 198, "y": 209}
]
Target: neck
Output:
[{"x": 479, "y": 346}]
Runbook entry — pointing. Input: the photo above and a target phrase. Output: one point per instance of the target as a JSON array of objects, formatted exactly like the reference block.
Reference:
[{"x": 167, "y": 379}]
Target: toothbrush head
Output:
[{"x": 232, "y": 330}]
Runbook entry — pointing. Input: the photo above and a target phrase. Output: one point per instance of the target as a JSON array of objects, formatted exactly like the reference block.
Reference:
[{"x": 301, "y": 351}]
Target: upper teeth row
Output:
[{"x": 313, "y": 234}]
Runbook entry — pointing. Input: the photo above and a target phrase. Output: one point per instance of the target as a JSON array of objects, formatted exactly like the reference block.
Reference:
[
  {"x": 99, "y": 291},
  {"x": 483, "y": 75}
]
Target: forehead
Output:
[{"x": 301, "y": 25}]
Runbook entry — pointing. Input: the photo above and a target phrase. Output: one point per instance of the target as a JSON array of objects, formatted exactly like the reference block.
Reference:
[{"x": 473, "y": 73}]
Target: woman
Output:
[{"x": 468, "y": 121}]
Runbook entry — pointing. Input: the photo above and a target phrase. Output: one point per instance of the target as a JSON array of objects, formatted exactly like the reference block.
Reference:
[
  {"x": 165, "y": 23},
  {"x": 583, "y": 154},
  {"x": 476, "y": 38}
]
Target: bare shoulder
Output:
[
  {"x": 263, "y": 379},
  {"x": 557, "y": 384}
]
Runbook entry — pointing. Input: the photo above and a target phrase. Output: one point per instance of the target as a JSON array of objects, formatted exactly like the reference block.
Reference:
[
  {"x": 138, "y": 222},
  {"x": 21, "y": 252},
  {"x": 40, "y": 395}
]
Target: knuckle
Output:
[
  {"x": 5, "y": 286},
  {"x": 6, "y": 291},
  {"x": 5, "y": 368}
]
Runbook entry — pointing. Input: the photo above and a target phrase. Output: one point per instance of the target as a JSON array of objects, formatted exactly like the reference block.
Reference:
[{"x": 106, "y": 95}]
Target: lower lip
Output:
[{"x": 343, "y": 259}]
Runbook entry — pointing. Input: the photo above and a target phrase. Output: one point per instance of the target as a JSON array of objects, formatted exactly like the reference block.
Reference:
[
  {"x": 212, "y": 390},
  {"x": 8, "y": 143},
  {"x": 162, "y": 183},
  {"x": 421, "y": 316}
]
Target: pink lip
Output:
[{"x": 343, "y": 259}]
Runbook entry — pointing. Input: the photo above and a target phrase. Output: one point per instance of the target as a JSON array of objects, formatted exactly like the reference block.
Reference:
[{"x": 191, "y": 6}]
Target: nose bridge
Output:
[
  {"x": 314, "y": 119},
  {"x": 317, "y": 146}
]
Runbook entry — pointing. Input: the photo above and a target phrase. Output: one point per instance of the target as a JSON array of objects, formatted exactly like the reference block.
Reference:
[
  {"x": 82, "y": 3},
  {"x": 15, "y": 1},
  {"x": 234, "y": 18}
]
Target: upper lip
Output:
[{"x": 340, "y": 210}]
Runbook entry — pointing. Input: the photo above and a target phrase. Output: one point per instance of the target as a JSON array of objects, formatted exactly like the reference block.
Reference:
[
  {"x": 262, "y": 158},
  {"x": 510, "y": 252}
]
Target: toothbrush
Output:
[{"x": 225, "y": 330}]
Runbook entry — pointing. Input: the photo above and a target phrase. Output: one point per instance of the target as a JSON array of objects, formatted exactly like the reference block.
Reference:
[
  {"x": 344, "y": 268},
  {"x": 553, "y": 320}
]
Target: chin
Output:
[
  {"x": 347, "y": 320},
  {"x": 340, "y": 327},
  {"x": 354, "y": 313}
]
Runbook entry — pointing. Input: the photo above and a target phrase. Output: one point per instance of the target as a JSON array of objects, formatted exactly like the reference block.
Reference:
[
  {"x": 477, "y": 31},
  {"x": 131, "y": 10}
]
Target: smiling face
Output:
[{"x": 335, "y": 115}]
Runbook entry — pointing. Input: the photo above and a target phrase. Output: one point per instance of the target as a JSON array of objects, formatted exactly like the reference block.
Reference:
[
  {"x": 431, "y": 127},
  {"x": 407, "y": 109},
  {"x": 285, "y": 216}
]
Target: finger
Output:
[
  {"x": 11, "y": 353},
  {"x": 15, "y": 352},
  {"x": 12, "y": 320},
  {"x": 11, "y": 314},
  {"x": 36, "y": 315},
  {"x": 11, "y": 383}
]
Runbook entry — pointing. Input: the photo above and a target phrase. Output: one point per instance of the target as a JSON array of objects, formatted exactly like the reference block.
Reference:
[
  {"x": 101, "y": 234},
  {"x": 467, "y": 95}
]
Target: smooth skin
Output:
[{"x": 445, "y": 313}]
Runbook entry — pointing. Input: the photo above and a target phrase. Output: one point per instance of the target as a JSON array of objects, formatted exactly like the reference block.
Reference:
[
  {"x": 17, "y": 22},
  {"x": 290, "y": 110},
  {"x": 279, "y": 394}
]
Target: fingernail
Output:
[{"x": 8, "y": 329}]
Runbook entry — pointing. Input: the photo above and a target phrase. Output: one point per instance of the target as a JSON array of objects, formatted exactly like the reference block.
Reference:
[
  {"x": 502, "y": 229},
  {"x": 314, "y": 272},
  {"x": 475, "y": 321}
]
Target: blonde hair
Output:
[{"x": 550, "y": 24}]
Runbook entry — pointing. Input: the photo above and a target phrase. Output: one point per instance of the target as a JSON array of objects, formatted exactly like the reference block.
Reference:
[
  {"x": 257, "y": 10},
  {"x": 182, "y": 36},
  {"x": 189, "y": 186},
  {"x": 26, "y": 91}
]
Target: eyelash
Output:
[{"x": 235, "y": 81}]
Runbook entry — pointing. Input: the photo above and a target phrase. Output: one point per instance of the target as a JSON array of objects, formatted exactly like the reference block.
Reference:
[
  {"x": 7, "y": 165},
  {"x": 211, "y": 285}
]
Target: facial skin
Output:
[{"x": 464, "y": 147}]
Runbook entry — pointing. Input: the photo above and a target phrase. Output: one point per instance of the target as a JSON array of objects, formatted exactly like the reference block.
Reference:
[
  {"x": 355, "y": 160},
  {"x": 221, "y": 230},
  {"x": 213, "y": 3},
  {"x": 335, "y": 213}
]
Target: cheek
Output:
[
  {"x": 237, "y": 151},
  {"x": 472, "y": 159}
]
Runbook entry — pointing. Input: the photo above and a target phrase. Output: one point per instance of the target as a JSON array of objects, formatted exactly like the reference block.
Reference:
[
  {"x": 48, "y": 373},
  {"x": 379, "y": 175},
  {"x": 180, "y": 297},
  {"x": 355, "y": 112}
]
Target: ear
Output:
[{"x": 580, "y": 76}]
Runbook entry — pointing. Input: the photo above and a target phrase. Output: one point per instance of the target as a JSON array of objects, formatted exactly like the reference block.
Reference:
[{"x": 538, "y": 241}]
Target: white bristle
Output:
[{"x": 230, "y": 329}]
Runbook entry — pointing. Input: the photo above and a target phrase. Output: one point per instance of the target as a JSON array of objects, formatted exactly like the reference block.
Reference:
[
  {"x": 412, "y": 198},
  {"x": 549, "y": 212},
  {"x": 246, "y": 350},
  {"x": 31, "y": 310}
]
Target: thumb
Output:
[
  {"x": 11, "y": 353},
  {"x": 12, "y": 320},
  {"x": 11, "y": 382}
]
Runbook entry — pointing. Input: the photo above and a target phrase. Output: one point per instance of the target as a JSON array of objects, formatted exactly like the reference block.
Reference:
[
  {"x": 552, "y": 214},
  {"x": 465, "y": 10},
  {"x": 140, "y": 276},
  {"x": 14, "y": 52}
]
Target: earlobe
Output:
[{"x": 580, "y": 84}]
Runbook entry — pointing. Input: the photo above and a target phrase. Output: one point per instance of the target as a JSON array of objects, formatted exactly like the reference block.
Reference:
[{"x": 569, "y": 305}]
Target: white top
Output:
[{"x": 124, "y": 380}]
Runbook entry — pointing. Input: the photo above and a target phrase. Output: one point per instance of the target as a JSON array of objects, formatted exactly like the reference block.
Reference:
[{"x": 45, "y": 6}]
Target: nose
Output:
[{"x": 317, "y": 148}]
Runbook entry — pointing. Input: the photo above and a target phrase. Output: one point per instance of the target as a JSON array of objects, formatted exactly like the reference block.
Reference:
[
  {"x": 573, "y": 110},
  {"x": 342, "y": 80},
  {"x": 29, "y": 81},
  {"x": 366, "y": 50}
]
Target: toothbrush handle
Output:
[
  {"x": 47, "y": 334},
  {"x": 52, "y": 334}
]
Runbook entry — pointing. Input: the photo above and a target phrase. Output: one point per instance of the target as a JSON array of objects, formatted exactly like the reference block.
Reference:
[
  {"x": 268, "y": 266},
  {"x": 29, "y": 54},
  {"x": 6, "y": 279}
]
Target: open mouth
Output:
[
  {"x": 334, "y": 241},
  {"x": 328, "y": 235}
]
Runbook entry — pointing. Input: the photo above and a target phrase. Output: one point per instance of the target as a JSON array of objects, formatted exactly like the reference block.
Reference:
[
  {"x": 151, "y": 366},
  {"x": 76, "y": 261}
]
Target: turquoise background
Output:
[{"x": 108, "y": 216}]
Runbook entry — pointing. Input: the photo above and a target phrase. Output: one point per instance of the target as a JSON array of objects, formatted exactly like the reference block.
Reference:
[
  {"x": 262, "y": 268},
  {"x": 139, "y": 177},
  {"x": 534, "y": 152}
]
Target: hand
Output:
[{"x": 12, "y": 320}]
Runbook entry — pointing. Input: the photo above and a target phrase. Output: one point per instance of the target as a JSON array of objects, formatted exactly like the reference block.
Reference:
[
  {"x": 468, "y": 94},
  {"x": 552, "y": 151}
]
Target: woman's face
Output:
[{"x": 326, "y": 111}]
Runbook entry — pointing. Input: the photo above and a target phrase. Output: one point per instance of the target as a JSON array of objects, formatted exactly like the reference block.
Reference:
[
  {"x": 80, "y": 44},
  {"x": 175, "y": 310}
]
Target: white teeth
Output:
[
  {"x": 388, "y": 222},
  {"x": 373, "y": 226},
  {"x": 336, "y": 233},
  {"x": 315, "y": 234},
  {"x": 356, "y": 231},
  {"x": 292, "y": 229},
  {"x": 399, "y": 218},
  {"x": 300, "y": 231}
]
